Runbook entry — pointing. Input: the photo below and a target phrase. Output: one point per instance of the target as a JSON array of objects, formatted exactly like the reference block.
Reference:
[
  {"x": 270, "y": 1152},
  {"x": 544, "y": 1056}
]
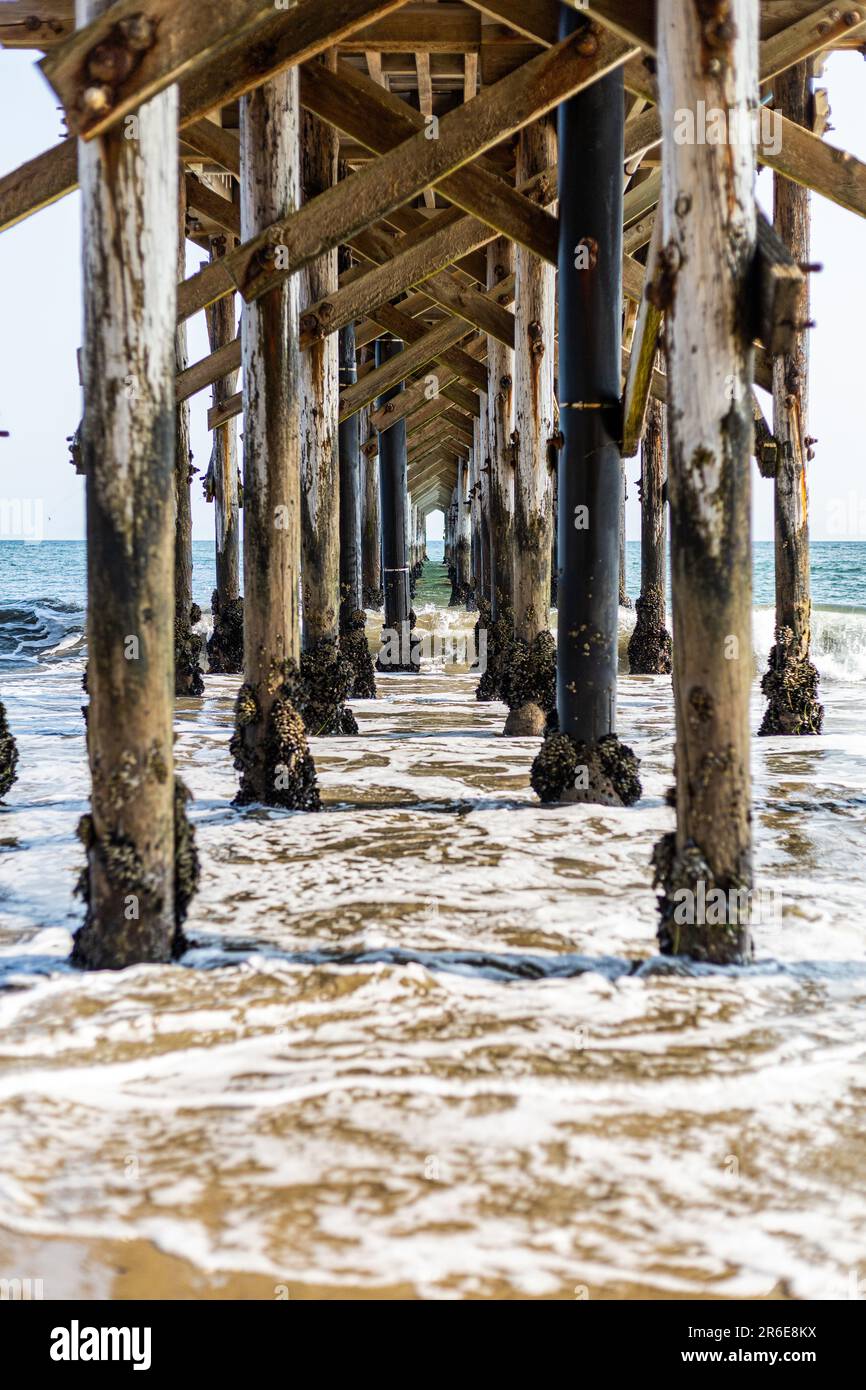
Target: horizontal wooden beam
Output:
[
  {"x": 32, "y": 24},
  {"x": 137, "y": 48},
  {"x": 439, "y": 28}
]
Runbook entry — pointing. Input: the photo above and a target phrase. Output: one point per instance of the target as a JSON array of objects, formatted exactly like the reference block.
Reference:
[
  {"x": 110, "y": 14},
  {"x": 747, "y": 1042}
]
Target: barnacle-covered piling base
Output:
[
  {"x": 327, "y": 677},
  {"x": 374, "y": 599},
  {"x": 8, "y": 754},
  {"x": 500, "y": 636},
  {"x": 277, "y": 770},
  {"x": 138, "y": 933},
  {"x": 603, "y": 773},
  {"x": 699, "y": 918},
  {"x": 649, "y": 647},
  {"x": 356, "y": 650},
  {"x": 528, "y": 685},
  {"x": 791, "y": 687},
  {"x": 188, "y": 644},
  {"x": 225, "y": 648}
]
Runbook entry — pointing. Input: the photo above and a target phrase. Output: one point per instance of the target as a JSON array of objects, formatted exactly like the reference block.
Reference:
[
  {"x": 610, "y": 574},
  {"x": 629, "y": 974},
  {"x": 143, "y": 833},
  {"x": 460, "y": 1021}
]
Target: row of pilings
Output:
[{"x": 536, "y": 514}]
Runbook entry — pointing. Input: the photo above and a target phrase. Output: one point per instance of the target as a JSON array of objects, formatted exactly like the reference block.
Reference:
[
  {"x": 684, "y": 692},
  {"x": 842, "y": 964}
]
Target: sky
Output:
[{"x": 40, "y": 294}]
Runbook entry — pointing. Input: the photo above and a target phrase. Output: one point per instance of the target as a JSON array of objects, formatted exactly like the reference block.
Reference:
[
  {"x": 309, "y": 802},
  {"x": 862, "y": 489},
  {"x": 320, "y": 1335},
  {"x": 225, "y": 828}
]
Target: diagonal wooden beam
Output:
[
  {"x": 642, "y": 357},
  {"x": 212, "y": 205},
  {"x": 399, "y": 175},
  {"x": 38, "y": 183},
  {"x": 416, "y": 259},
  {"x": 534, "y": 19},
  {"x": 137, "y": 48},
  {"x": 382, "y": 122},
  {"x": 402, "y": 365},
  {"x": 416, "y": 395}
]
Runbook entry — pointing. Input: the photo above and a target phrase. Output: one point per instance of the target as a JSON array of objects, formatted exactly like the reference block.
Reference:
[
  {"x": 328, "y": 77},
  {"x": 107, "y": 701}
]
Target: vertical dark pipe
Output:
[
  {"x": 350, "y": 484},
  {"x": 589, "y": 467},
  {"x": 590, "y": 477},
  {"x": 394, "y": 501}
]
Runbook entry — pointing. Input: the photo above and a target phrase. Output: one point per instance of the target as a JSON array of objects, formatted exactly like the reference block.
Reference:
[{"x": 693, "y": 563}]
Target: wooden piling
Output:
[
  {"x": 141, "y": 866},
  {"x": 703, "y": 286},
  {"x": 353, "y": 634},
  {"x": 327, "y": 676},
  {"x": 791, "y": 680},
  {"x": 462, "y": 541},
  {"x": 499, "y": 428},
  {"x": 270, "y": 746},
  {"x": 225, "y": 648},
  {"x": 585, "y": 761},
  {"x": 187, "y": 643},
  {"x": 528, "y": 685},
  {"x": 371, "y": 531},
  {"x": 649, "y": 647},
  {"x": 396, "y": 650}
]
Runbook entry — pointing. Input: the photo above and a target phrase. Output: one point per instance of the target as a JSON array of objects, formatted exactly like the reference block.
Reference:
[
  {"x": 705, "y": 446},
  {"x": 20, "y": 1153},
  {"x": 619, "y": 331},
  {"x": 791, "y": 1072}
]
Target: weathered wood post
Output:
[
  {"x": 791, "y": 680},
  {"x": 477, "y": 593},
  {"x": 624, "y": 600},
  {"x": 187, "y": 643},
  {"x": 480, "y": 449},
  {"x": 585, "y": 761},
  {"x": 326, "y": 675},
  {"x": 396, "y": 650},
  {"x": 270, "y": 746},
  {"x": 528, "y": 683},
  {"x": 225, "y": 648},
  {"x": 353, "y": 634},
  {"x": 649, "y": 647},
  {"x": 371, "y": 532},
  {"x": 499, "y": 422},
  {"x": 709, "y": 55},
  {"x": 462, "y": 539},
  {"x": 141, "y": 868}
]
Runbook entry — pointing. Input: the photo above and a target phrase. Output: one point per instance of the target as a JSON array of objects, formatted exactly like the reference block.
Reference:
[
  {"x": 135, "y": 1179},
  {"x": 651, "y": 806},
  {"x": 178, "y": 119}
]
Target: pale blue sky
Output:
[{"x": 39, "y": 273}]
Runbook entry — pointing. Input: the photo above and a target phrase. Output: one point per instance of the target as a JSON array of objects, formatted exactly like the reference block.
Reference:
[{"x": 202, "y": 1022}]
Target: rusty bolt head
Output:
[
  {"x": 683, "y": 204},
  {"x": 110, "y": 62},
  {"x": 587, "y": 46},
  {"x": 139, "y": 31},
  {"x": 852, "y": 17}
]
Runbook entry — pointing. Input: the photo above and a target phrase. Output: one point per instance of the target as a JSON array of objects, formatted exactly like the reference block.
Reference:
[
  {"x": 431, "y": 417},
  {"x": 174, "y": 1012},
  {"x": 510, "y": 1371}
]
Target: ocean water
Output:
[{"x": 421, "y": 1045}]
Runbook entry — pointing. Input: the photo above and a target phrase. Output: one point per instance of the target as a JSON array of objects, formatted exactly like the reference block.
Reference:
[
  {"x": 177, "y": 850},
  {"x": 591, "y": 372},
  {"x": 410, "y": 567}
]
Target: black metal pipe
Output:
[
  {"x": 394, "y": 504},
  {"x": 350, "y": 486},
  {"x": 590, "y": 339}
]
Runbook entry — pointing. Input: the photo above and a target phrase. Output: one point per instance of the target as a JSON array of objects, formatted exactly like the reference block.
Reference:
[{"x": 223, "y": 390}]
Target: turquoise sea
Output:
[{"x": 43, "y": 595}]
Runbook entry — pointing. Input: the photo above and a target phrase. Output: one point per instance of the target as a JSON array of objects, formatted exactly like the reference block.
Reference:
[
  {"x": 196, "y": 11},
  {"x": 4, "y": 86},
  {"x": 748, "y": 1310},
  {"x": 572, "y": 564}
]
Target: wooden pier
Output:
[{"x": 458, "y": 257}]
